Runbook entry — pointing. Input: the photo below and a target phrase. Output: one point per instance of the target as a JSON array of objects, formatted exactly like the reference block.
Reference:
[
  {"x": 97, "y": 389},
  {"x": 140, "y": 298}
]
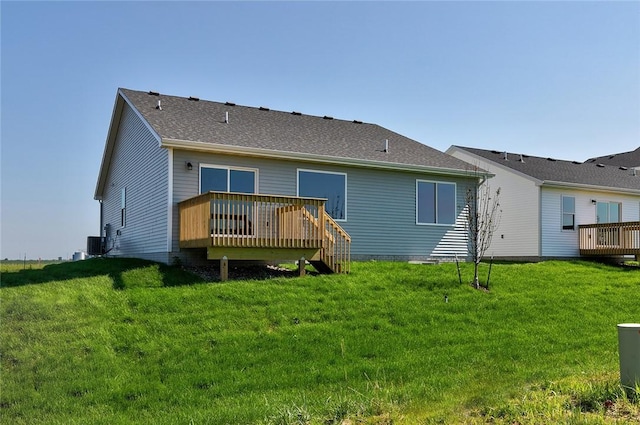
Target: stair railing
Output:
[{"x": 336, "y": 246}]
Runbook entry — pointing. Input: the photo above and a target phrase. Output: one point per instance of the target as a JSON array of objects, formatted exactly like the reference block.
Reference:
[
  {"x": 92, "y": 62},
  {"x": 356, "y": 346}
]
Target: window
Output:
[
  {"x": 123, "y": 207},
  {"x": 435, "y": 202},
  {"x": 568, "y": 213},
  {"x": 608, "y": 212},
  {"x": 230, "y": 217},
  {"x": 327, "y": 185},
  {"x": 223, "y": 179}
]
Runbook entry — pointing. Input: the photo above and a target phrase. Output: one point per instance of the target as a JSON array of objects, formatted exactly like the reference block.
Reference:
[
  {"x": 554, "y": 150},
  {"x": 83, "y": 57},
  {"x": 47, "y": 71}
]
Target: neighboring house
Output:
[
  {"x": 625, "y": 159},
  {"x": 382, "y": 194},
  {"x": 545, "y": 201}
]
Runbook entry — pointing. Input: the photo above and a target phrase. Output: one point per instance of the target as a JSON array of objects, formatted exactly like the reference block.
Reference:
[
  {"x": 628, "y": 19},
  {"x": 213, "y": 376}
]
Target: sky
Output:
[{"x": 551, "y": 79}]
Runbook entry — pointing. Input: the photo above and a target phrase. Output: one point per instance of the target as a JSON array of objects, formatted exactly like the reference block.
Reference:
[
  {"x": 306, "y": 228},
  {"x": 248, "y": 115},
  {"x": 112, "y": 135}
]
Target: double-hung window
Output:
[
  {"x": 328, "y": 185},
  {"x": 435, "y": 202},
  {"x": 123, "y": 207},
  {"x": 568, "y": 213}
]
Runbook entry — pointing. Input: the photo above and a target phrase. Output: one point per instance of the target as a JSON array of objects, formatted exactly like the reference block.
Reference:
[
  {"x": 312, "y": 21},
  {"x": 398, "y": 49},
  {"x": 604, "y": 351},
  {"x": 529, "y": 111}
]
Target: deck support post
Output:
[
  {"x": 224, "y": 269},
  {"x": 301, "y": 266}
]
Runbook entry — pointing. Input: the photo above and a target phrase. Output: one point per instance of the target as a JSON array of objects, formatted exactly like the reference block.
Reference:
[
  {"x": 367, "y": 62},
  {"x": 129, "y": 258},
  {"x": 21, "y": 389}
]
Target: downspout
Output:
[
  {"x": 540, "y": 222},
  {"x": 101, "y": 218},
  {"x": 169, "y": 202},
  {"x": 103, "y": 242}
]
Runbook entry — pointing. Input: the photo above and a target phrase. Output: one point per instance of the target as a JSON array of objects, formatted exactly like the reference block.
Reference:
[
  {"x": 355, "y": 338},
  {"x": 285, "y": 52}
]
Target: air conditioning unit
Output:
[{"x": 95, "y": 245}]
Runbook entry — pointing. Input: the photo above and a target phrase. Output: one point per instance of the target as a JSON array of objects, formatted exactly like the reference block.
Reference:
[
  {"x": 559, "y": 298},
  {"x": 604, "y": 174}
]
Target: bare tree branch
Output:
[{"x": 482, "y": 220}]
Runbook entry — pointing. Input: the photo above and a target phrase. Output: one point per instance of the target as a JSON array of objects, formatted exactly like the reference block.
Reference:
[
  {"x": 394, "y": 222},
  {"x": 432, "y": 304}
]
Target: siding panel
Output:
[
  {"x": 564, "y": 243},
  {"x": 518, "y": 233},
  {"x": 139, "y": 165},
  {"x": 380, "y": 205}
]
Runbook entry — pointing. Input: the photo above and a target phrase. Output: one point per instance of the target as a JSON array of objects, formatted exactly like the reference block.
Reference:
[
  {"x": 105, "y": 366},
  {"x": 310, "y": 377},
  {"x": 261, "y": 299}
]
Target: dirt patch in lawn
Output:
[{"x": 243, "y": 272}]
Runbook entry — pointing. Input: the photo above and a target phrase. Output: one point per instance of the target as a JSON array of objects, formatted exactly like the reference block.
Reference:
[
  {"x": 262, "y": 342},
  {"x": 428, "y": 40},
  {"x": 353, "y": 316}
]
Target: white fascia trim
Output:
[
  {"x": 144, "y": 121},
  {"x": 564, "y": 185},
  {"x": 306, "y": 157},
  {"x": 112, "y": 135},
  {"x": 170, "y": 200},
  {"x": 108, "y": 148}
]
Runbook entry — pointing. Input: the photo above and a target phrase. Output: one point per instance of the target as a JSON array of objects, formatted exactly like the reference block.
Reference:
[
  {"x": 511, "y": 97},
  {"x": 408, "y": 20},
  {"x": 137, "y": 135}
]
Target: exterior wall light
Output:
[{"x": 189, "y": 166}]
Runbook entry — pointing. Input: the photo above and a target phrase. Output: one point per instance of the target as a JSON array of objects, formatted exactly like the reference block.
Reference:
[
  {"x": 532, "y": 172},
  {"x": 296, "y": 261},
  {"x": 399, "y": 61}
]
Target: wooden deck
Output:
[
  {"x": 610, "y": 239},
  {"x": 264, "y": 227}
]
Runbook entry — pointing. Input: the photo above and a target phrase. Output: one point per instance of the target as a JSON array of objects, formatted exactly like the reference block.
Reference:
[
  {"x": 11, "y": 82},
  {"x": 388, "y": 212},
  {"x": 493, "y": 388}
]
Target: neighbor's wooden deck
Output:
[
  {"x": 264, "y": 227},
  {"x": 610, "y": 239}
]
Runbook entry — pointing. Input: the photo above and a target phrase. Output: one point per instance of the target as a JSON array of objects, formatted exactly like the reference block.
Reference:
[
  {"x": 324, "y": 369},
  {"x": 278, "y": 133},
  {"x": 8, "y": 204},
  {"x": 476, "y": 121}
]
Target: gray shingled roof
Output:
[
  {"x": 252, "y": 127},
  {"x": 626, "y": 159},
  {"x": 568, "y": 172}
]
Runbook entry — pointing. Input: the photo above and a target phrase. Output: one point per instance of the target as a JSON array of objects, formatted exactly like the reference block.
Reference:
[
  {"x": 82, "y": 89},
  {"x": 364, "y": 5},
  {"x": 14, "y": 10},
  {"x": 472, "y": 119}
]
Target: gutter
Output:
[
  {"x": 306, "y": 157},
  {"x": 556, "y": 184}
]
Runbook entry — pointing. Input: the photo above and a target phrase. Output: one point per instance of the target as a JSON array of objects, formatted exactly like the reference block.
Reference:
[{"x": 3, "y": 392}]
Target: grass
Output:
[{"x": 128, "y": 341}]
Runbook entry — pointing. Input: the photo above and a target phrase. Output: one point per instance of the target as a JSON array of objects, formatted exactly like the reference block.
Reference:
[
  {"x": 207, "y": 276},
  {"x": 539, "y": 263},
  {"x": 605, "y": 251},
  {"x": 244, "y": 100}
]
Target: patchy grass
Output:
[{"x": 120, "y": 341}]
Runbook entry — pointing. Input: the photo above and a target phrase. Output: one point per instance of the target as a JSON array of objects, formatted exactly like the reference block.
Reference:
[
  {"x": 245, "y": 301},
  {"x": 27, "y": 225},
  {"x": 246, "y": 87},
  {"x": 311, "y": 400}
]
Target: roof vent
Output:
[
  {"x": 159, "y": 105},
  {"x": 521, "y": 158},
  {"x": 600, "y": 165},
  {"x": 195, "y": 99},
  {"x": 296, "y": 113},
  {"x": 551, "y": 159},
  {"x": 357, "y": 122},
  {"x": 386, "y": 145},
  {"x": 634, "y": 172},
  {"x": 226, "y": 117},
  {"x": 262, "y": 108},
  {"x": 623, "y": 168},
  {"x": 230, "y": 104},
  {"x": 496, "y": 152},
  {"x": 576, "y": 162},
  {"x": 327, "y": 117},
  {"x": 506, "y": 155},
  {"x": 154, "y": 93}
]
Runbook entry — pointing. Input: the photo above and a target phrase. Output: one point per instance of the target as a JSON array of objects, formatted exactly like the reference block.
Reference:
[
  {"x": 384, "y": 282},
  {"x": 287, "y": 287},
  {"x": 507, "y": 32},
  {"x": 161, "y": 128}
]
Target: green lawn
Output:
[{"x": 107, "y": 341}]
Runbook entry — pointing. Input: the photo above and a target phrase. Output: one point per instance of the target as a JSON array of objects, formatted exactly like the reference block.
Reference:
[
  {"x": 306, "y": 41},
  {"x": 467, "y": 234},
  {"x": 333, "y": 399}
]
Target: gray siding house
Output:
[
  {"x": 562, "y": 209},
  {"x": 167, "y": 159}
]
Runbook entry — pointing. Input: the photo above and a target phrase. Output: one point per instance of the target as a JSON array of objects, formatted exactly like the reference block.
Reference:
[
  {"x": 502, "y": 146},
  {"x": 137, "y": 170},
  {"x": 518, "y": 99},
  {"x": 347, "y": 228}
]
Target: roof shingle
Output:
[
  {"x": 626, "y": 159},
  {"x": 561, "y": 171},
  {"x": 287, "y": 132}
]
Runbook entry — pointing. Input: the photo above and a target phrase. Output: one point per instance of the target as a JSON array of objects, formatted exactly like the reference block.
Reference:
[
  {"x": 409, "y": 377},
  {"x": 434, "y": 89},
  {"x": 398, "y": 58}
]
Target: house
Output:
[
  {"x": 553, "y": 208},
  {"x": 626, "y": 159},
  {"x": 195, "y": 180}
]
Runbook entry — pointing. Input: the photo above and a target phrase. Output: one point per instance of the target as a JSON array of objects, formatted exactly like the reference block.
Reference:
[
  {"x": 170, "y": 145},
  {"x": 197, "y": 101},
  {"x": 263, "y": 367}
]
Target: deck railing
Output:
[
  {"x": 610, "y": 238},
  {"x": 336, "y": 251},
  {"x": 236, "y": 220}
]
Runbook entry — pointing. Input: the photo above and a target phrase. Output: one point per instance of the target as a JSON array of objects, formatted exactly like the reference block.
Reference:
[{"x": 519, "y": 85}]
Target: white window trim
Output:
[
  {"x": 575, "y": 215},
  {"x": 346, "y": 196},
  {"x": 455, "y": 203},
  {"x": 123, "y": 207},
  {"x": 229, "y": 168},
  {"x": 620, "y": 215}
]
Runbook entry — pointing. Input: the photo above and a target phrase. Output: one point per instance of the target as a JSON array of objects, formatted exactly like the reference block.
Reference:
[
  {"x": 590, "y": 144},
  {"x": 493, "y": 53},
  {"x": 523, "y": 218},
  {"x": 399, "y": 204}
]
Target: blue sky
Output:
[{"x": 558, "y": 79}]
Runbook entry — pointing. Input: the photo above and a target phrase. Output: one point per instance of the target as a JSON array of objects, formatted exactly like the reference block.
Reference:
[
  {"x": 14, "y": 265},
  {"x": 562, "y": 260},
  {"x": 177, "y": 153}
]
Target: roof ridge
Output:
[{"x": 261, "y": 108}]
